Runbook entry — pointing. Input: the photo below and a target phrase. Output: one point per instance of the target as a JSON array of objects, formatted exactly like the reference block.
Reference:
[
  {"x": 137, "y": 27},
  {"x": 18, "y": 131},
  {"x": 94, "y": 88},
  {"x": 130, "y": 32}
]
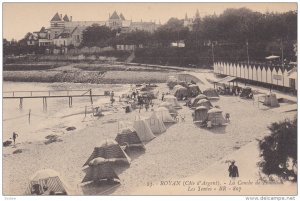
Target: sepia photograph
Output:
[{"x": 135, "y": 98}]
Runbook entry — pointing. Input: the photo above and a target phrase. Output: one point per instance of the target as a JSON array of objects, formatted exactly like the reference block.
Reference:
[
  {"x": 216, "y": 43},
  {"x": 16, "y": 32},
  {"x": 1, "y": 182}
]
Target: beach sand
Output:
[{"x": 182, "y": 151}]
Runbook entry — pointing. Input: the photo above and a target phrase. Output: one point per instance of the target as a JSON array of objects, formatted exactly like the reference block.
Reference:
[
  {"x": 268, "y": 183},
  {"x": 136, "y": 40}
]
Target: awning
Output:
[{"x": 226, "y": 80}]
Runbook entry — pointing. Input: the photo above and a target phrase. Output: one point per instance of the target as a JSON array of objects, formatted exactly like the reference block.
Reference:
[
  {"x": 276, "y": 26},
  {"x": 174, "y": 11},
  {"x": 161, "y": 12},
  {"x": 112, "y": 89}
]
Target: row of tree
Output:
[{"x": 229, "y": 32}]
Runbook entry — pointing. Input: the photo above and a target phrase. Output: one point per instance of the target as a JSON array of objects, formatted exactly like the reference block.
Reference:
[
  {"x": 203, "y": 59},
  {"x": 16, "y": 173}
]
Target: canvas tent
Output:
[
  {"x": 128, "y": 137},
  {"x": 194, "y": 90},
  {"x": 182, "y": 92},
  {"x": 143, "y": 130},
  {"x": 169, "y": 106},
  {"x": 177, "y": 87},
  {"x": 271, "y": 100},
  {"x": 200, "y": 114},
  {"x": 47, "y": 181},
  {"x": 183, "y": 83},
  {"x": 203, "y": 102},
  {"x": 157, "y": 126},
  {"x": 164, "y": 115},
  {"x": 172, "y": 99},
  {"x": 172, "y": 81},
  {"x": 109, "y": 149},
  {"x": 216, "y": 117},
  {"x": 197, "y": 99},
  {"x": 211, "y": 93},
  {"x": 99, "y": 169}
]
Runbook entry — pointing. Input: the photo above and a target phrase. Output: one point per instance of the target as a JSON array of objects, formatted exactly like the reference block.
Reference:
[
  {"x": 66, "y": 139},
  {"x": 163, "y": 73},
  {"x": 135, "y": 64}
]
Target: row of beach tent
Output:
[{"x": 100, "y": 164}]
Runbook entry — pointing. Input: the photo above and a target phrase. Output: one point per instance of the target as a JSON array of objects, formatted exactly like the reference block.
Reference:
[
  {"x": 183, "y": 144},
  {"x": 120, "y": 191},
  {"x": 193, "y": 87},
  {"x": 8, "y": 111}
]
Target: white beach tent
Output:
[
  {"x": 157, "y": 126},
  {"x": 172, "y": 99},
  {"x": 143, "y": 130},
  {"x": 271, "y": 100},
  {"x": 48, "y": 181},
  {"x": 164, "y": 114}
]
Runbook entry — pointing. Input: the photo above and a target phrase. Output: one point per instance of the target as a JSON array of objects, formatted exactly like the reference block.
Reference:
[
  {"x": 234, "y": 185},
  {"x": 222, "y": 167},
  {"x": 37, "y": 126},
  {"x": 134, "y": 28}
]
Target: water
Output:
[{"x": 58, "y": 115}]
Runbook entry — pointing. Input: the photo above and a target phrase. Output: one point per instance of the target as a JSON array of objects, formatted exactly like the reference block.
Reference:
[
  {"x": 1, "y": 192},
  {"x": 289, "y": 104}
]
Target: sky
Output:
[{"x": 21, "y": 18}]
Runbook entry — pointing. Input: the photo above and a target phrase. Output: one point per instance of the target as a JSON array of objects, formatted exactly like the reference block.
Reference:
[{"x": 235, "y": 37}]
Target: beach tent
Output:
[
  {"x": 157, "y": 126},
  {"x": 215, "y": 117},
  {"x": 129, "y": 137},
  {"x": 172, "y": 81},
  {"x": 170, "y": 107},
  {"x": 109, "y": 149},
  {"x": 203, "y": 102},
  {"x": 200, "y": 114},
  {"x": 100, "y": 169},
  {"x": 183, "y": 83},
  {"x": 172, "y": 99},
  {"x": 271, "y": 100},
  {"x": 177, "y": 87},
  {"x": 197, "y": 99},
  {"x": 47, "y": 181},
  {"x": 182, "y": 92},
  {"x": 164, "y": 115},
  {"x": 143, "y": 130},
  {"x": 194, "y": 90},
  {"x": 210, "y": 93},
  {"x": 246, "y": 92}
]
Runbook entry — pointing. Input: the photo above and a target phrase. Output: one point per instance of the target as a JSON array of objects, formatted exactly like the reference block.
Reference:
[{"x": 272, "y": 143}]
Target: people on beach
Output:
[
  {"x": 162, "y": 96},
  {"x": 233, "y": 170},
  {"x": 15, "y": 135}
]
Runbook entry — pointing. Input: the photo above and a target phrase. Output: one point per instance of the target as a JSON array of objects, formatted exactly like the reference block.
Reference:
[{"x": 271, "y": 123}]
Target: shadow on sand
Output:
[
  {"x": 215, "y": 129},
  {"x": 100, "y": 188}
]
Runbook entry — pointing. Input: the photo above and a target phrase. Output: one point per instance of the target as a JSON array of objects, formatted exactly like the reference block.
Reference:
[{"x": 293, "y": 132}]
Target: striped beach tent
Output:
[
  {"x": 197, "y": 99},
  {"x": 47, "y": 182},
  {"x": 204, "y": 102},
  {"x": 100, "y": 169},
  {"x": 129, "y": 137},
  {"x": 200, "y": 114},
  {"x": 109, "y": 149}
]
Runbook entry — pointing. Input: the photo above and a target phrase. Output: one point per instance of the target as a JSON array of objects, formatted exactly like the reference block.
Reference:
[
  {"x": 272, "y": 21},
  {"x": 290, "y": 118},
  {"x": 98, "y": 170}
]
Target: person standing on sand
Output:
[
  {"x": 162, "y": 96},
  {"x": 233, "y": 170},
  {"x": 15, "y": 135}
]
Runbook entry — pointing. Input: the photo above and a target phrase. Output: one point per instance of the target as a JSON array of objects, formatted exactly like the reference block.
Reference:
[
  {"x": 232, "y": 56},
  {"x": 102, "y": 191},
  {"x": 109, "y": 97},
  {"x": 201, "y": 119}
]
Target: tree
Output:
[
  {"x": 279, "y": 150},
  {"x": 96, "y": 35}
]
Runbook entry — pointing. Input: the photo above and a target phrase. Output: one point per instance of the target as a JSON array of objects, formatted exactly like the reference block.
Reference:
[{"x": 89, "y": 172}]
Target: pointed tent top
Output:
[
  {"x": 114, "y": 16},
  {"x": 122, "y": 16},
  {"x": 56, "y": 18},
  {"x": 66, "y": 19}
]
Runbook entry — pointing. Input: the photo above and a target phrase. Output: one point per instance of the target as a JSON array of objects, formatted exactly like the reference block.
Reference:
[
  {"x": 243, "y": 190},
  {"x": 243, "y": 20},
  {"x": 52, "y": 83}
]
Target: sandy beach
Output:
[{"x": 182, "y": 151}]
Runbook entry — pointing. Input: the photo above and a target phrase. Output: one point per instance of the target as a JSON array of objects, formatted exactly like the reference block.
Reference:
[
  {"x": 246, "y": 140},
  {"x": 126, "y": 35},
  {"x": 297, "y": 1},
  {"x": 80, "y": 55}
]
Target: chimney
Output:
[
  {"x": 60, "y": 16},
  {"x": 70, "y": 18}
]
